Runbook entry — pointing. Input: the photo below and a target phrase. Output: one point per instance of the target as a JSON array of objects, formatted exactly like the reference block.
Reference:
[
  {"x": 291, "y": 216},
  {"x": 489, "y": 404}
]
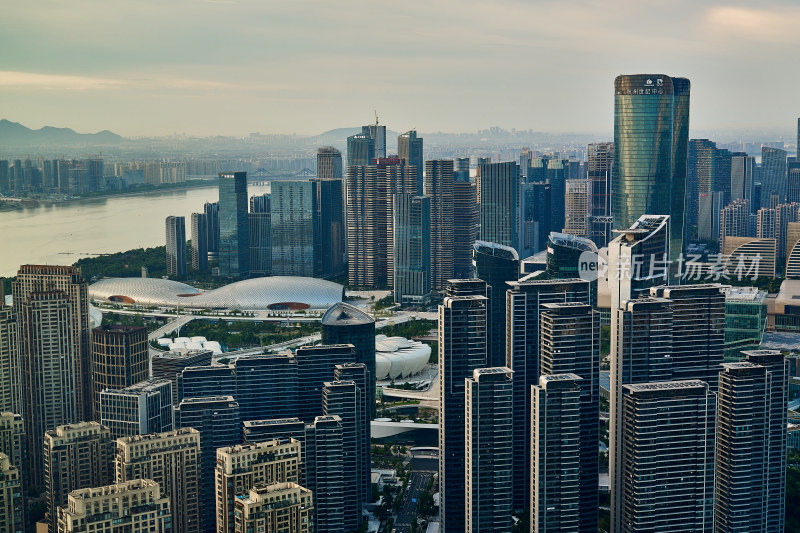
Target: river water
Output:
[{"x": 62, "y": 233}]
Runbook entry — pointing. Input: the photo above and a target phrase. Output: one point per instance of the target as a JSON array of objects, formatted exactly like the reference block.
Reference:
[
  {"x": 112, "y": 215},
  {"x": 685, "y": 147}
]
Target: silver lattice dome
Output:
[{"x": 277, "y": 292}]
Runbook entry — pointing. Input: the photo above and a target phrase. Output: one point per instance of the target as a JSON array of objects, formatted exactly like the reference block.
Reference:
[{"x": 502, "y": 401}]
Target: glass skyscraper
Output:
[
  {"x": 234, "y": 225},
  {"x": 651, "y": 136}
]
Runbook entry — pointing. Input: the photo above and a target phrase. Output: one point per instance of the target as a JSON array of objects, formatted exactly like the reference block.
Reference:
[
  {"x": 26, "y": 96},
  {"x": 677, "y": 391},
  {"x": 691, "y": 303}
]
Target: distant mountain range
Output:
[{"x": 15, "y": 134}]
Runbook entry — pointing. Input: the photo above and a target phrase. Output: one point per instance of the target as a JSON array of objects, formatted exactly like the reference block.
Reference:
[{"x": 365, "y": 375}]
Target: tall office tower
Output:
[
  {"x": 465, "y": 222},
  {"x": 171, "y": 459},
  {"x": 342, "y": 399},
  {"x": 488, "y": 455},
  {"x": 52, "y": 301},
  {"x": 556, "y": 418},
  {"x": 525, "y": 161},
  {"x": 536, "y": 215},
  {"x": 360, "y": 150},
  {"x": 329, "y": 163},
  {"x": 325, "y": 475},
  {"x": 638, "y": 258},
  {"x": 576, "y": 208},
  {"x": 570, "y": 344},
  {"x": 142, "y": 408},
  {"x": 10, "y": 363},
  {"x": 377, "y": 133},
  {"x": 260, "y": 219},
  {"x": 667, "y": 452},
  {"x": 735, "y": 220},
  {"x": 120, "y": 358},
  {"x": 499, "y": 207},
  {"x": 176, "y": 246},
  {"x": 793, "y": 250},
  {"x": 346, "y": 324},
  {"x": 400, "y": 179},
  {"x": 439, "y": 188},
  {"x": 564, "y": 255},
  {"x": 78, "y": 456},
  {"x": 315, "y": 366},
  {"x": 773, "y": 175},
  {"x": 12, "y": 438},
  {"x": 240, "y": 468},
  {"x": 496, "y": 265},
  {"x": 234, "y": 226},
  {"x": 651, "y": 137},
  {"x": 709, "y": 213},
  {"x": 743, "y": 169},
  {"x": 258, "y": 511},
  {"x": 217, "y": 420},
  {"x": 411, "y": 250},
  {"x": 5, "y": 183},
  {"x": 524, "y": 304},
  {"x": 109, "y": 509},
  {"x": 468, "y": 287},
  {"x": 784, "y": 214},
  {"x": 199, "y": 242},
  {"x": 294, "y": 235},
  {"x": 211, "y": 211},
  {"x": 702, "y": 168},
  {"x": 462, "y": 165},
  {"x": 12, "y": 504},
  {"x": 774, "y": 467},
  {"x": 265, "y": 386},
  {"x": 793, "y": 182},
  {"x": 330, "y": 219},
  {"x": 463, "y": 328},
  {"x": 409, "y": 149},
  {"x": 357, "y": 373},
  {"x": 601, "y": 158},
  {"x": 557, "y": 172},
  {"x": 166, "y": 365}
]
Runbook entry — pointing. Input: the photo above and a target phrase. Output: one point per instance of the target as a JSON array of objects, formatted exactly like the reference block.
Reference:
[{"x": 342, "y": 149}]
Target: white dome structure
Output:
[{"x": 397, "y": 357}]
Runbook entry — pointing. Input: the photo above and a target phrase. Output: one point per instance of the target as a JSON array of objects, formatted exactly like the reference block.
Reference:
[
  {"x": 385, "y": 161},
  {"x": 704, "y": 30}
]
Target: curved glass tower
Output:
[{"x": 651, "y": 137}]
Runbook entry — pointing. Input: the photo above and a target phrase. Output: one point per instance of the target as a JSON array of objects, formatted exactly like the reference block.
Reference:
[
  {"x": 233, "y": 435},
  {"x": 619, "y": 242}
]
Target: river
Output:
[{"x": 62, "y": 233}]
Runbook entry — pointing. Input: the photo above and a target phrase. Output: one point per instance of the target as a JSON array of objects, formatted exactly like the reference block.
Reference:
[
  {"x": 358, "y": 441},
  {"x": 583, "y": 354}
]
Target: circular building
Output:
[{"x": 398, "y": 357}]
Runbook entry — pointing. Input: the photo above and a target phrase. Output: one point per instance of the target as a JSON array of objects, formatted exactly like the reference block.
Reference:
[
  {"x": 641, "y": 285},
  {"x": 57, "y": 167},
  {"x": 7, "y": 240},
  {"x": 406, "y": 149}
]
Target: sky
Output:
[{"x": 231, "y": 67}]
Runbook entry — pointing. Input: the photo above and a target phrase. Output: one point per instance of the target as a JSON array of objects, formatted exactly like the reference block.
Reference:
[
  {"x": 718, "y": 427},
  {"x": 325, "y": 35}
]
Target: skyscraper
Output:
[
  {"x": 377, "y": 133},
  {"x": 576, "y": 208},
  {"x": 556, "y": 171},
  {"x": 439, "y": 188},
  {"x": 120, "y": 358},
  {"x": 793, "y": 182},
  {"x": 171, "y": 459},
  {"x": 294, "y": 236},
  {"x": 601, "y": 159},
  {"x": 10, "y": 362},
  {"x": 176, "y": 246},
  {"x": 360, "y": 150},
  {"x": 465, "y": 222},
  {"x": 499, "y": 205},
  {"x": 142, "y": 408},
  {"x": 211, "y": 211},
  {"x": 462, "y": 338},
  {"x": 315, "y": 366},
  {"x": 330, "y": 221},
  {"x": 258, "y": 511},
  {"x": 488, "y": 454},
  {"x": 412, "y": 249},
  {"x": 329, "y": 163},
  {"x": 651, "y": 136},
  {"x": 260, "y": 235},
  {"x": 199, "y": 242},
  {"x": 166, "y": 365},
  {"x": 743, "y": 169},
  {"x": 12, "y": 507},
  {"x": 537, "y": 220},
  {"x": 234, "y": 228},
  {"x": 773, "y": 176},
  {"x": 357, "y": 373},
  {"x": 77, "y": 456},
  {"x": 496, "y": 265},
  {"x": 409, "y": 149},
  {"x": 12, "y": 438}
]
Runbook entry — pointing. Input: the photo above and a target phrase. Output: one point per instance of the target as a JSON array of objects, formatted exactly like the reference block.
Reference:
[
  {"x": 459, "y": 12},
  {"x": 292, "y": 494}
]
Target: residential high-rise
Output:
[
  {"x": 496, "y": 265},
  {"x": 176, "y": 246},
  {"x": 499, "y": 205},
  {"x": 315, "y": 366},
  {"x": 793, "y": 250},
  {"x": 294, "y": 236},
  {"x": 260, "y": 219},
  {"x": 576, "y": 208},
  {"x": 412, "y": 249},
  {"x": 346, "y": 324},
  {"x": 325, "y": 475},
  {"x": 12, "y": 438},
  {"x": 109, "y": 509},
  {"x": 524, "y": 304},
  {"x": 409, "y": 149},
  {"x": 120, "y": 358},
  {"x": 199, "y": 242},
  {"x": 166, "y": 365},
  {"x": 793, "y": 182},
  {"x": 555, "y": 502},
  {"x": 773, "y": 176},
  {"x": 217, "y": 420},
  {"x": 77, "y": 456},
  {"x": 277, "y": 508},
  {"x": 667, "y": 452},
  {"x": 570, "y": 344},
  {"x": 240, "y": 468},
  {"x": 234, "y": 226},
  {"x": 10, "y": 362},
  {"x": 329, "y": 163},
  {"x": 601, "y": 159},
  {"x": 341, "y": 398},
  {"x": 463, "y": 323},
  {"x": 735, "y": 220},
  {"x": 488, "y": 454},
  {"x": 211, "y": 211},
  {"x": 439, "y": 188},
  {"x": 465, "y": 222},
  {"x": 12, "y": 506},
  {"x": 171, "y": 459},
  {"x": 330, "y": 221},
  {"x": 142, "y": 408},
  {"x": 651, "y": 136}
]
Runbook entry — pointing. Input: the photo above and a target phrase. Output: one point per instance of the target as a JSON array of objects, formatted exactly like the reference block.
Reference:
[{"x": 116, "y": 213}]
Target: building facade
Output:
[
  {"x": 234, "y": 225},
  {"x": 176, "y": 246},
  {"x": 120, "y": 358}
]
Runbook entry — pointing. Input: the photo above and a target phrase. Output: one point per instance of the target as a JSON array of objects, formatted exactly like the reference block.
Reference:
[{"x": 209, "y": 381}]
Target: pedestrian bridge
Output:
[{"x": 381, "y": 430}]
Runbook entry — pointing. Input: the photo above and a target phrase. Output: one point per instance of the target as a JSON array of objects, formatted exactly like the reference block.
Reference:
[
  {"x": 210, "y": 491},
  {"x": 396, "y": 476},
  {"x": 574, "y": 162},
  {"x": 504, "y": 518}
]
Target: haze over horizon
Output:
[{"x": 230, "y": 67}]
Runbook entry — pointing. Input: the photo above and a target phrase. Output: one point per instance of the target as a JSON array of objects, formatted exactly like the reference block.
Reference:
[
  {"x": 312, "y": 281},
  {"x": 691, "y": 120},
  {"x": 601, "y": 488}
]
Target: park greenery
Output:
[
  {"x": 410, "y": 328},
  {"x": 234, "y": 335},
  {"x": 126, "y": 264},
  {"x": 793, "y": 497}
]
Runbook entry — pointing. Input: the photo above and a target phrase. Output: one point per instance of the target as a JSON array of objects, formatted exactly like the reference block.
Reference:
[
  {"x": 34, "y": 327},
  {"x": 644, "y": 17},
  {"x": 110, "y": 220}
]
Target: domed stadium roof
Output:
[
  {"x": 276, "y": 292},
  {"x": 344, "y": 314},
  {"x": 399, "y": 357}
]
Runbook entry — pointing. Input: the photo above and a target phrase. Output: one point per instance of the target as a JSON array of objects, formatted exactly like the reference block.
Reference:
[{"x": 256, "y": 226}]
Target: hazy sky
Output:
[{"x": 144, "y": 67}]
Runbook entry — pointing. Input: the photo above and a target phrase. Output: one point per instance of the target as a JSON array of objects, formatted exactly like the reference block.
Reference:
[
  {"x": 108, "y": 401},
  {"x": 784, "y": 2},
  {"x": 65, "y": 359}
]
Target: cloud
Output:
[
  {"x": 777, "y": 25},
  {"x": 54, "y": 82}
]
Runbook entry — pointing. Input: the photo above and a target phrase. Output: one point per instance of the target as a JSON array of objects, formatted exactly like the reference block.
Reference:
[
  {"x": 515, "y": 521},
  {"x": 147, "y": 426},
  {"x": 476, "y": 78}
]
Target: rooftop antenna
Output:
[{"x": 376, "y": 117}]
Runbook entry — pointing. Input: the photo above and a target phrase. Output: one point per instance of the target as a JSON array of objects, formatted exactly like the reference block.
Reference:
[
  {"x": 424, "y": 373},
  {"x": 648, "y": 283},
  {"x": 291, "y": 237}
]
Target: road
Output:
[{"x": 422, "y": 468}]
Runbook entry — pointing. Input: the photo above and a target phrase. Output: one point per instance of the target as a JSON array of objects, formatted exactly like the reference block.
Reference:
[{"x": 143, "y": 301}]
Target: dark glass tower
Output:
[
  {"x": 496, "y": 265},
  {"x": 773, "y": 176},
  {"x": 651, "y": 137},
  {"x": 211, "y": 211},
  {"x": 409, "y": 149},
  {"x": 601, "y": 157},
  {"x": 499, "y": 203},
  {"x": 234, "y": 225}
]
